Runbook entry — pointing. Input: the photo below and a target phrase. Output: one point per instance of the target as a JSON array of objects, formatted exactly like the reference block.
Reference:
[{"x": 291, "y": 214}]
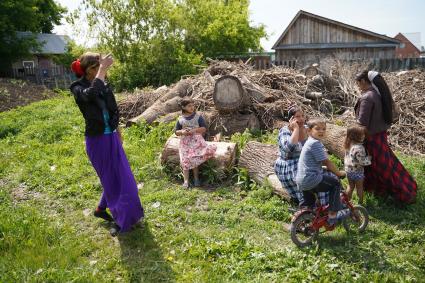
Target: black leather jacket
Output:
[{"x": 92, "y": 98}]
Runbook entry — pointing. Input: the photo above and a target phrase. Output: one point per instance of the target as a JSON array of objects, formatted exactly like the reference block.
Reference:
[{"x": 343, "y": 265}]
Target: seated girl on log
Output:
[
  {"x": 193, "y": 149},
  {"x": 310, "y": 177},
  {"x": 291, "y": 140}
]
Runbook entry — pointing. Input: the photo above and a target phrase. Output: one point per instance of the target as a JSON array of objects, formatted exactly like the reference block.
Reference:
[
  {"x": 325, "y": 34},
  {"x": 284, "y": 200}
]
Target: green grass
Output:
[{"x": 231, "y": 234}]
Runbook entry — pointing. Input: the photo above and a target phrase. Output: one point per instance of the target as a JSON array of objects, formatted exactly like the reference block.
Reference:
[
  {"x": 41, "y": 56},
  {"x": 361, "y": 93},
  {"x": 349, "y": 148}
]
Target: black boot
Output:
[{"x": 102, "y": 213}]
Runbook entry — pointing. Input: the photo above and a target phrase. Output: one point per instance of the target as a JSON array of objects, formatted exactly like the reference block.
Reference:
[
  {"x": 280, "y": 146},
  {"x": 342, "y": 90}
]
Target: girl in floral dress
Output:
[{"x": 193, "y": 149}]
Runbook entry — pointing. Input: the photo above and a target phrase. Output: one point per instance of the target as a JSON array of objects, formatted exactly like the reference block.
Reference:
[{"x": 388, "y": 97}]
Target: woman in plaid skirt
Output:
[
  {"x": 375, "y": 110},
  {"x": 291, "y": 140}
]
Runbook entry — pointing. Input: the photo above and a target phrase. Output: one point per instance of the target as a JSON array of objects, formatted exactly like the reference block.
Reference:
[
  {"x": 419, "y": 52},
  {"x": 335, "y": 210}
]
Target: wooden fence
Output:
[
  {"x": 54, "y": 77},
  {"x": 395, "y": 64},
  {"x": 381, "y": 65}
]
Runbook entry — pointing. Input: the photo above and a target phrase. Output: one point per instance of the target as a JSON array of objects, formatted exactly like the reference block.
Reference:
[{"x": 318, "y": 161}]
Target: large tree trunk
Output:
[
  {"x": 229, "y": 95},
  {"x": 259, "y": 159},
  {"x": 223, "y": 160},
  {"x": 231, "y": 123},
  {"x": 334, "y": 139},
  {"x": 256, "y": 93},
  {"x": 170, "y": 117},
  {"x": 164, "y": 105}
]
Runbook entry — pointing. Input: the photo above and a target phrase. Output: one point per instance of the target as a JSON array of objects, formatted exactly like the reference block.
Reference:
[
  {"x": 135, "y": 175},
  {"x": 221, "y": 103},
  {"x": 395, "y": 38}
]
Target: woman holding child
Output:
[{"x": 374, "y": 110}]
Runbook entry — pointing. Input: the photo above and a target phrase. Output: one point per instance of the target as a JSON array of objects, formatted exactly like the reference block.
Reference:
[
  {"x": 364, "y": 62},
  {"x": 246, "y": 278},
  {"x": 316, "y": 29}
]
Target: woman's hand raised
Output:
[
  {"x": 293, "y": 124},
  {"x": 106, "y": 61}
]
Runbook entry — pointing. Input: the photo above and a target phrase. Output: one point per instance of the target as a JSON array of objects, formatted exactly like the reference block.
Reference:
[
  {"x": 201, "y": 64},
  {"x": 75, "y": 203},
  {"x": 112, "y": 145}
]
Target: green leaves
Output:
[
  {"x": 25, "y": 15},
  {"x": 156, "y": 42}
]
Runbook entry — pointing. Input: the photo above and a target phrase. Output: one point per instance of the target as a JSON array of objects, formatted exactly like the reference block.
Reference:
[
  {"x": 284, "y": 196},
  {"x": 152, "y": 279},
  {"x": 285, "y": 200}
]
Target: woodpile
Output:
[
  {"x": 408, "y": 89},
  {"x": 234, "y": 97}
]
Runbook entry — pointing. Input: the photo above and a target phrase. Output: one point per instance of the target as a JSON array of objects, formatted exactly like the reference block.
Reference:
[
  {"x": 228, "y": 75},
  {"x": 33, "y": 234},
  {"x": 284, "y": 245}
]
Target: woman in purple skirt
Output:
[{"x": 104, "y": 148}]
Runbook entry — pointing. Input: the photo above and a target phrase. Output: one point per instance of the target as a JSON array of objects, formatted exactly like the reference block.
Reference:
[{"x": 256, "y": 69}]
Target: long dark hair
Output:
[{"x": 386, "y": 96}]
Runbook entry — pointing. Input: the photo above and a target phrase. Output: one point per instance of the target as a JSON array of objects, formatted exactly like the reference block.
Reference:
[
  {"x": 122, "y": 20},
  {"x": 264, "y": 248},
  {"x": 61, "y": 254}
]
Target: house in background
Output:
[
  {"x": 40, "y": 62},
  {"x": 310, "y": 38},
  {"x": 406, "y": 49}
]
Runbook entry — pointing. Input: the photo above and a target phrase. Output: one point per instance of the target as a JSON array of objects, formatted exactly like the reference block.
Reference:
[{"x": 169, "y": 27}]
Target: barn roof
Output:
[
  {"x": 403, "y": 38},
  {"x": 50, "y": 43},
  {"x": 385, "y": 38}
]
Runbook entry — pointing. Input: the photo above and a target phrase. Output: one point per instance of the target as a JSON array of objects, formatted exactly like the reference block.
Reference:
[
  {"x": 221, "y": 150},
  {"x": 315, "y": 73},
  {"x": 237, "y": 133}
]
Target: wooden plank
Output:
[
  {"x": 332, "y": 34},
  {"x": 316, "y": 32},
  {"x": 328, "y": 33},
  {"x": 311, "y": 31}
]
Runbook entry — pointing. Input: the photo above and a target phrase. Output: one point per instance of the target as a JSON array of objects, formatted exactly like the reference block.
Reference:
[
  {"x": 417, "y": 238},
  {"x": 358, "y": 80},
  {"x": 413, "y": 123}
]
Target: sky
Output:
[{"x": 387, "y": 17}]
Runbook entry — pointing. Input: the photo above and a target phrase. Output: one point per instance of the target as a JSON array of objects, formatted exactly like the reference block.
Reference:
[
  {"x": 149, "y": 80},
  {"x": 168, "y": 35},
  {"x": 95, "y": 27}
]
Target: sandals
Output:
[
  {"x": 115, "y": 230},
  {"x": 340, "y": 215}
]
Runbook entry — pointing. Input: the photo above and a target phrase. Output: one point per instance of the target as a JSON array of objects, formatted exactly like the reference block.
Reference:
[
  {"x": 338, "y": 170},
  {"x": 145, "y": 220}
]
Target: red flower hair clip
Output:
[{"x": 76, "y": 68}]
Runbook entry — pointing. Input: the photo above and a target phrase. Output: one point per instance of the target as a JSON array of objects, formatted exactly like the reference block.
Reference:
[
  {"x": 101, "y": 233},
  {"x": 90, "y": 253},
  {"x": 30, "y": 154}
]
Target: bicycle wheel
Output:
[
  {"x": 358, "y": 220},
  {"x": 302, "y": 233}
]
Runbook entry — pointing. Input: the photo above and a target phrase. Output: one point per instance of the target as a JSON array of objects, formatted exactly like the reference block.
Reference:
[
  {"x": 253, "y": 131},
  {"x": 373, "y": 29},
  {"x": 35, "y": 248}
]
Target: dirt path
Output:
[{"x": 14, "y": 93}]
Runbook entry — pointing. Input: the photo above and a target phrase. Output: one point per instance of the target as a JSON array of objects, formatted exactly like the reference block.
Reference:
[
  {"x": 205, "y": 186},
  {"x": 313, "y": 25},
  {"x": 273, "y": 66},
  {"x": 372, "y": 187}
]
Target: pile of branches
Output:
[
  {"x": 137, "y": 101},
  {"x": 329, "y": 94},
  {"x": 408, "y": 89}
]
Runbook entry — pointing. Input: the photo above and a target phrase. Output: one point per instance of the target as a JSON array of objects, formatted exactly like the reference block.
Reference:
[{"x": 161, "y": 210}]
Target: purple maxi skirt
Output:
[{"x": 120, "y": 192}]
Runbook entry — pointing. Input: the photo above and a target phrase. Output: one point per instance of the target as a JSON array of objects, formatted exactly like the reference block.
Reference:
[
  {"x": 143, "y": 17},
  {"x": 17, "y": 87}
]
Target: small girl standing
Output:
[
  {"x": 193, "y": 149},
  {"x": 355, "y": 159}
]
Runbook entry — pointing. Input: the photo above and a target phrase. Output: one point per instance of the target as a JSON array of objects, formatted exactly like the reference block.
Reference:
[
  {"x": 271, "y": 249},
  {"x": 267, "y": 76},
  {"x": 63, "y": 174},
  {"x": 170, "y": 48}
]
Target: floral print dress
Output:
[{"x": 193, "y": 150}]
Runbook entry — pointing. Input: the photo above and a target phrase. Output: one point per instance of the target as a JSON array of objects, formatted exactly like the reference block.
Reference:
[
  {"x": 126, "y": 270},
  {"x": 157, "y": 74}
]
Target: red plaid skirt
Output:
[{"x": 386, "y": 175}]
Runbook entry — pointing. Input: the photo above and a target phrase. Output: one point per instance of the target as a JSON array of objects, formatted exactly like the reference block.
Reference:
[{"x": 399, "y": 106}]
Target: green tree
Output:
[
  {"x": 73, "y": 51},
  {"x": 157, "y": 41},
  {"x": 25, "y": 15},
  {"x": 214, "y": 28}
]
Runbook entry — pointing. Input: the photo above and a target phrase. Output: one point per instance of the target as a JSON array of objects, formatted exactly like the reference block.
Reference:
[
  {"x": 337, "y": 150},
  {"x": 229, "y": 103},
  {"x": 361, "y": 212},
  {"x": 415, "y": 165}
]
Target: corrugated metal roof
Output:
[{"x": 50, "y": 43}]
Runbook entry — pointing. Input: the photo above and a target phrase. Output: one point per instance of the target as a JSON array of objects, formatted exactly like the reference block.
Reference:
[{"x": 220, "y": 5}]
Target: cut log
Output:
[
  {"x": 255, "y": 92},
  {"x": 209, "y": 77},
  {"x": 170, "y": 117},
  {"x": 164, "y": 105},
  {"x": 223, "y": 160},
  {"x": 229, "y": 95},
  {"x": 258, "y": 159},
  {"x": 230, "y": 124},
  {"x": 334, "y": 139}
]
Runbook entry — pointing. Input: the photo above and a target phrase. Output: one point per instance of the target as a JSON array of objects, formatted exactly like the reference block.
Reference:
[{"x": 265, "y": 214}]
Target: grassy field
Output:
[{"x": 229, "y": 234}]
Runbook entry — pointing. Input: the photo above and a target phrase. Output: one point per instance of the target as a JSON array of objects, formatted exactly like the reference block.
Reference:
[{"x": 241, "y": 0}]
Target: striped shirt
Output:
[{"x": 310, "y": 172}]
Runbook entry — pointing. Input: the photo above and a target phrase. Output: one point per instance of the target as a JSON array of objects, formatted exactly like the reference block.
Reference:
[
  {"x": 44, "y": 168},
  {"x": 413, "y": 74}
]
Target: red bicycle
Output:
[{"x": 306, "y": 223}]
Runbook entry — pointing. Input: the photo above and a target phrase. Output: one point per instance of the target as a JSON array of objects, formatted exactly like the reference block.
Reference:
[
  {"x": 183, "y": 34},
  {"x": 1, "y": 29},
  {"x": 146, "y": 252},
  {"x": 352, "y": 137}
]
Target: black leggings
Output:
[{"x": 328, "y": 184}]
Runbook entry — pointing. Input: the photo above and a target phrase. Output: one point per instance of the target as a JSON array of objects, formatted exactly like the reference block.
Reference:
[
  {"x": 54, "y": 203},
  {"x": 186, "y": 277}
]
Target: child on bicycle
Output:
[
  {"x": 355, "y": 159},
  {"x": 310, "y": 177}
]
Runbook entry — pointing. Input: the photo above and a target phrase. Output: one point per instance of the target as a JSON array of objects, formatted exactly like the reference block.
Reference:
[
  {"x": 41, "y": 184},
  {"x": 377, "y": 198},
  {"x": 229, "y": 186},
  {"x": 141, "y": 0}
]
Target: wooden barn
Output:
[{"x": 311, "y": 38}]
